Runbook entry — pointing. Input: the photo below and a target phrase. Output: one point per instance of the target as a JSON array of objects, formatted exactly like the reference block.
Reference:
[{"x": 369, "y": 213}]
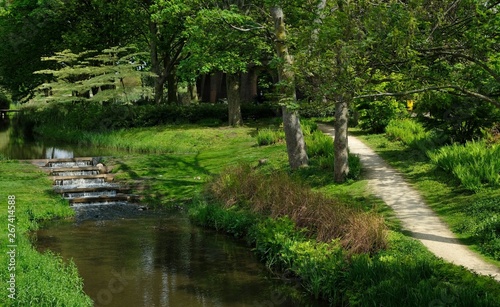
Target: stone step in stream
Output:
[{"x": 85, "y": 181}]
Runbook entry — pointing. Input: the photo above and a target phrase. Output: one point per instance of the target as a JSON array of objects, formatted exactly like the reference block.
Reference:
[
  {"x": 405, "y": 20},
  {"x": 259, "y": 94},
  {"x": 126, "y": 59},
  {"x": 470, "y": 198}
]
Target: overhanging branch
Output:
[{"x": 435, "y": 88}]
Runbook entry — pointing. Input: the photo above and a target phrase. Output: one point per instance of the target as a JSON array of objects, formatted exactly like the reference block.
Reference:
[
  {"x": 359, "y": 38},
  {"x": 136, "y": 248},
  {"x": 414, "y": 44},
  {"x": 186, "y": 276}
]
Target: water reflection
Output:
[
  {"x": 164, "y": 261},
  {"x": 13, "y": 146}
]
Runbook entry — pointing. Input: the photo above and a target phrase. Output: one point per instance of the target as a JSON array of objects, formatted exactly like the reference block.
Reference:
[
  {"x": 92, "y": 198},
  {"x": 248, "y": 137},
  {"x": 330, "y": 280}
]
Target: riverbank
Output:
[{"x": 38, "y": 279}]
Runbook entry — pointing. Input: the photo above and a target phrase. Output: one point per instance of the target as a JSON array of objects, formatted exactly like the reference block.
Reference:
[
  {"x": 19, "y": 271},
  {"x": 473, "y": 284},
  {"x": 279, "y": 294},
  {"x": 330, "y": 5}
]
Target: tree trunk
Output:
[
  {"x": 193, "y": 92},
  {"x": 233, "y": 99},
  {"x": 341, "y": 157},
  {"x": 215, "y": 85},
  {"x": 172, "y": 88},
  {"x": 155, "y": 63},
  {"x": 295, "y": 144}
]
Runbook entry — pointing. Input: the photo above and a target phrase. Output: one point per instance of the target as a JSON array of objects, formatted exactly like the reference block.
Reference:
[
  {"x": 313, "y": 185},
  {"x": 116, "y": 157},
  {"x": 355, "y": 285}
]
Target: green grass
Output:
[
  {"x": 441, "y": 191},
  {"x": 41, "y": 279}
]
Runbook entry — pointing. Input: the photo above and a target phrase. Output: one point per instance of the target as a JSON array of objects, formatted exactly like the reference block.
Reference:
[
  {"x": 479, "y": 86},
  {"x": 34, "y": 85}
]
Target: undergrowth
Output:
[
  {"x": 475, "y": 164},
  {"x": 277, "y": 195}
]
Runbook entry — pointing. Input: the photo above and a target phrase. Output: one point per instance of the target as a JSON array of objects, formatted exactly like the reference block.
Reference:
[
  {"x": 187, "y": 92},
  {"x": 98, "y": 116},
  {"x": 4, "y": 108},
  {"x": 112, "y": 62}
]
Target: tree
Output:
[
  {"x": 297, "y": 155},
  {"x": 167, "y": 38},
  {"x": 224, "y": 39},
  {"x": 113, "y": 75},
  {"x": 28, "y": 30}
]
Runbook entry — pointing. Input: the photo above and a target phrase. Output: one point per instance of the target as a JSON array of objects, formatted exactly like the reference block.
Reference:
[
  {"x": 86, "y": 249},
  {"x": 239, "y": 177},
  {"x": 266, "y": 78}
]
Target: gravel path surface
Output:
[{"x": 416, "y": 217}]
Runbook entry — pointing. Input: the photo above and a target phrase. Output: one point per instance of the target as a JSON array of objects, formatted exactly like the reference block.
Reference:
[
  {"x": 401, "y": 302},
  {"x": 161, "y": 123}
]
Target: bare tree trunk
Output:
[
  {"x": 341, "y": 157},
  {"x": 233, "y": 99},
  {"x": 295, "y": 144}
]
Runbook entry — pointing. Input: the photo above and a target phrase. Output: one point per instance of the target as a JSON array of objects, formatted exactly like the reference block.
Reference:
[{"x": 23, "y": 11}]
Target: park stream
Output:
[{"x": 128, "y": 255}]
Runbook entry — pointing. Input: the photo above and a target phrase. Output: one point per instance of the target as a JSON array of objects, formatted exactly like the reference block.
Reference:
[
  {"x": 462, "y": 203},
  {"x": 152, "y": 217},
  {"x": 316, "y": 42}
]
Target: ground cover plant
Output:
[{"x": 41, "y": 279}]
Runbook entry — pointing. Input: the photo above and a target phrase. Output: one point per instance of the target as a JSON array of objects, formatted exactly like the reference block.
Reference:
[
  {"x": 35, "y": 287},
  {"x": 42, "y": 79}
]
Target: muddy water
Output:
[{"x": 160, "y": 259}]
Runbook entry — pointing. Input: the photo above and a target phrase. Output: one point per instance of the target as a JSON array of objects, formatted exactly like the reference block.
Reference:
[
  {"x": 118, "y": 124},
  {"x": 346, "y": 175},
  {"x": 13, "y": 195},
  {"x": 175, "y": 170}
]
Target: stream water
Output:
[
  {"x": 14, "y": 147},
  {"x": 147, "y": 258}
]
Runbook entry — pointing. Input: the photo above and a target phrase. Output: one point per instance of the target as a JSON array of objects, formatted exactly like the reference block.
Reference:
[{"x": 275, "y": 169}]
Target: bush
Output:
[
  {"x": 375, "y": 115},
  {"x": 475, "y": 164},
  {"x": 413, "y": 134},
  {"x": 460, "y": 119},
  {"x": 113, "y": 116}
]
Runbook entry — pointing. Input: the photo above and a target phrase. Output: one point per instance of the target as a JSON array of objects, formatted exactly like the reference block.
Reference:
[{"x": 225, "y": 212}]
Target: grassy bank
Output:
[
  {"x": 41, "y": 279},
  {"x": 474, "y": 216},
  {"x": 292, "y": 243}
]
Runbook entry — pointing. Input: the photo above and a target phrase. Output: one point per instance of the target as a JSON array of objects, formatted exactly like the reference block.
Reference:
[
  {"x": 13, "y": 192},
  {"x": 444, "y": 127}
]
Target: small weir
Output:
[{"x": 84, "y": 181}]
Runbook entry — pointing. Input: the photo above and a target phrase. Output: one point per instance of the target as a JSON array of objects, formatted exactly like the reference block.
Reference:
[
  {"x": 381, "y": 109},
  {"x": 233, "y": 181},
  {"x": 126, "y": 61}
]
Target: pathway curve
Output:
[{"x": 409, "y": 207}]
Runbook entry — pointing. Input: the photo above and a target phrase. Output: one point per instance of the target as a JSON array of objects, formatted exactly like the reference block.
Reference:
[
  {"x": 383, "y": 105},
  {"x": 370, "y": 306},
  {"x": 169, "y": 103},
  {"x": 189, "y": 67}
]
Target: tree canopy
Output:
[{"x": 343, "y": 52}]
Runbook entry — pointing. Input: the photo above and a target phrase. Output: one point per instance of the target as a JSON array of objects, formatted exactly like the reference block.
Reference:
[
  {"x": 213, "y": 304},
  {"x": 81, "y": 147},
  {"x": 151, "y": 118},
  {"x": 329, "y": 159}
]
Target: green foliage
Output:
[
  {"x": 374, "y": 116},
  {"x": 233, "y": 221},
  {"x": 475, "y": 164},
  {"x": 483, "y": 225},
  {"x": 460, "y": 119},
  {"x": 404, "y": 273},
  {"x": 321, "y": 151},
  {"x": 5, "y": 99},
  {"x": 269, "y": 136},
  {"x": 277, "y": 195},
  {"x": 41, "y": 279},
  {"x": 113, "y": 75},
  {"x": 413, "y": 134},
  {"x": 58, "y": 121}
]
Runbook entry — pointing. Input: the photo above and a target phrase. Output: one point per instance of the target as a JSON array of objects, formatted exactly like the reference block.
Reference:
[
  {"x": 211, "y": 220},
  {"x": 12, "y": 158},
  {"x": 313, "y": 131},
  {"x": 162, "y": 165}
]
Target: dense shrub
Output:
[
  {"x": 375, "y": 115},
  {"x": 413, "y": 134},
  {"x": 475, "y": 164},
  {"x": 97, "y": 117},
  {"x": 461, "y": 119}
]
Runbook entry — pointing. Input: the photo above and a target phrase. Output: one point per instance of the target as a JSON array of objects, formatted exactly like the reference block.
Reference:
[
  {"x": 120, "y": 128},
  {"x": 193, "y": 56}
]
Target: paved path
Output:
[{"x": 409, "y": 207}]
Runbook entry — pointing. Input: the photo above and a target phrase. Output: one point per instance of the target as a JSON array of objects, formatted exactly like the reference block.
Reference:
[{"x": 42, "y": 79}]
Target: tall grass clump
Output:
[
  {"x": 269, "y": 136},
  {"x": 277, "y": 195},
  {"x": 321, "y": 150},
  {"x": 475, "y": 164},
  {"x": 412, "y": 133}
]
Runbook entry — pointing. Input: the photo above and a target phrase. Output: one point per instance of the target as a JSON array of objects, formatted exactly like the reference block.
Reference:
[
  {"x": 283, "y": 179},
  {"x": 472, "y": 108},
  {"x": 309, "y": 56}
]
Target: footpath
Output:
[{"x": 415, "y": 216}]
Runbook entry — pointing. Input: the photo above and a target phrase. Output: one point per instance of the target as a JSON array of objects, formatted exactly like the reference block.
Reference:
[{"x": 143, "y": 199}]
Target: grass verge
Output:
[{"x": 40, "y": 279}]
